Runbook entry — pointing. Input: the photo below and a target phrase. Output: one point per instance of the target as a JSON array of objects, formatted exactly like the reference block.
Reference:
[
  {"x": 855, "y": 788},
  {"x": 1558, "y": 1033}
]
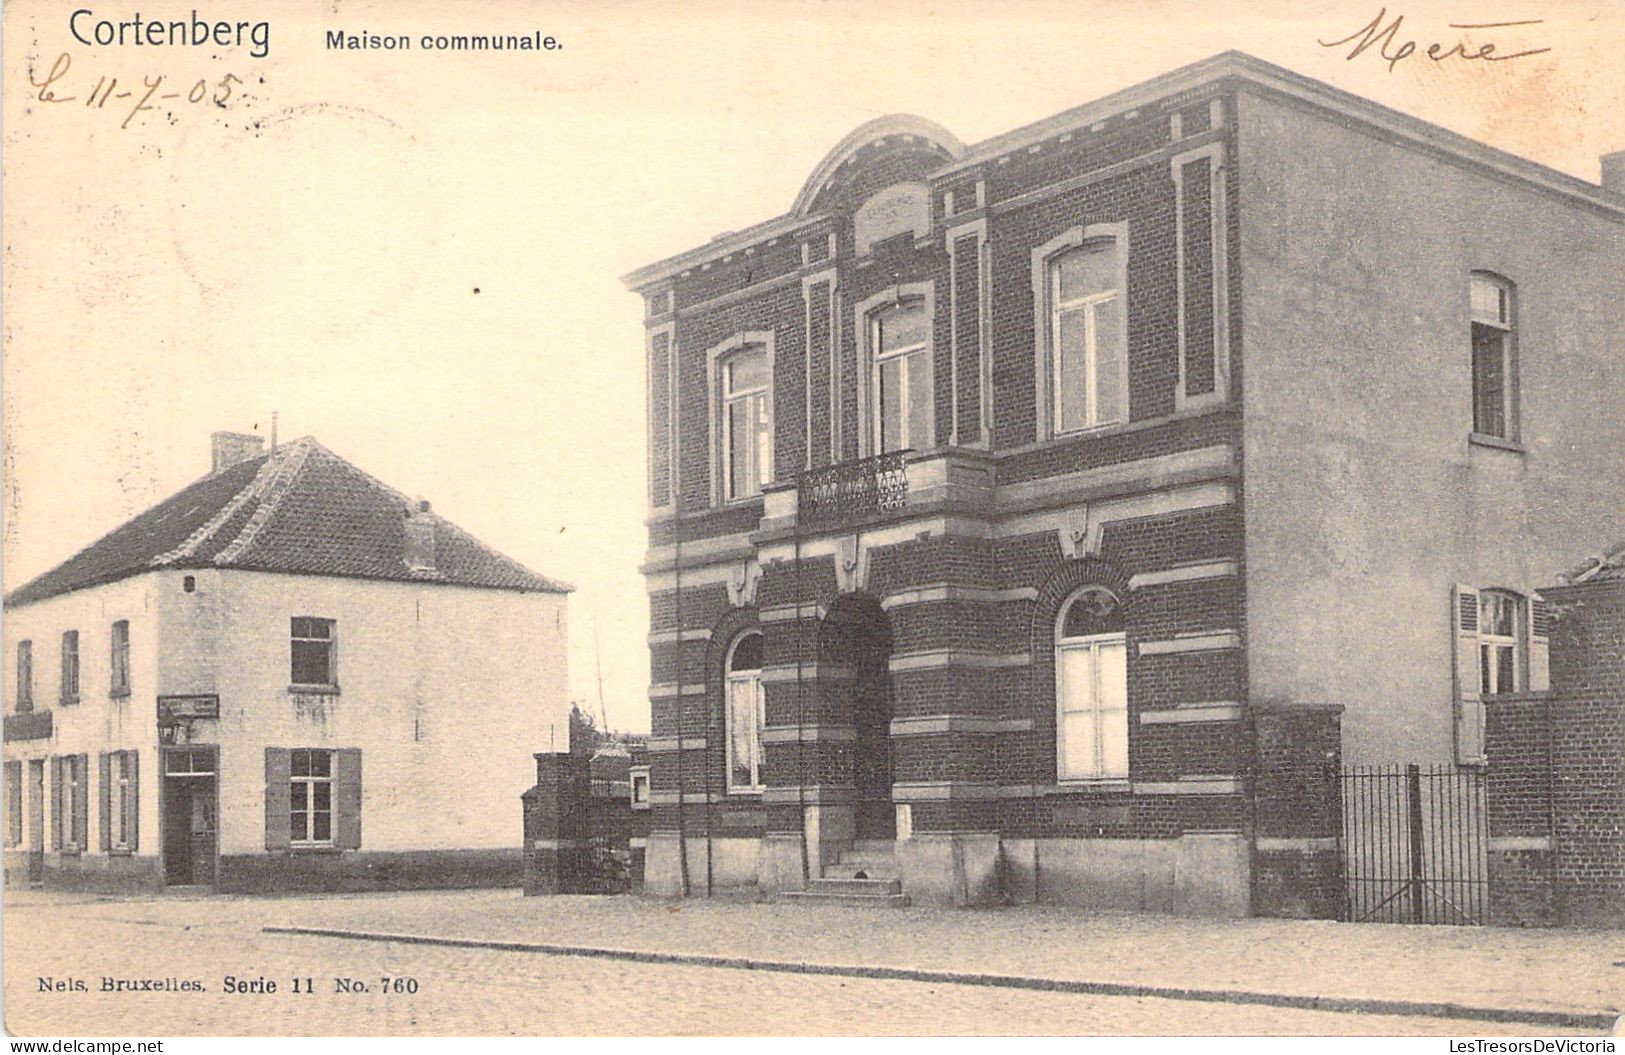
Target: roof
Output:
[
  {"x": 299, "y": 510},
  {"x": 1602, "y": 567},
  {"x": 1239, "y": 68}
]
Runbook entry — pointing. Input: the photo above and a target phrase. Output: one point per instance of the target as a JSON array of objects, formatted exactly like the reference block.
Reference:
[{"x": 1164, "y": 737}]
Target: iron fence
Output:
[{"x": 1415, "y": 843}]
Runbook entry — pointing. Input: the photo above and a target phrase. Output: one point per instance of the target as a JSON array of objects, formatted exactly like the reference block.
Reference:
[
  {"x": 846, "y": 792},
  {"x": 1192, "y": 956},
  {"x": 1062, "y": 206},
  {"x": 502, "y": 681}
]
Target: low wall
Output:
[{"x": 1556, "y": 773}]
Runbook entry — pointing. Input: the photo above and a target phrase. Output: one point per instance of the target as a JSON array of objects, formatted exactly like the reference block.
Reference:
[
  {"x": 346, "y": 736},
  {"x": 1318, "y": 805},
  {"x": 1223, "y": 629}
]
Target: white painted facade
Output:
[{"x": 447, "y": 691}]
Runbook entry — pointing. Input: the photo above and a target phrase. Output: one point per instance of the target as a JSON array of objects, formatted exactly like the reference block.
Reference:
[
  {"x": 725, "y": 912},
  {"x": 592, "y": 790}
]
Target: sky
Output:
[{"x": 414, "y": 256}]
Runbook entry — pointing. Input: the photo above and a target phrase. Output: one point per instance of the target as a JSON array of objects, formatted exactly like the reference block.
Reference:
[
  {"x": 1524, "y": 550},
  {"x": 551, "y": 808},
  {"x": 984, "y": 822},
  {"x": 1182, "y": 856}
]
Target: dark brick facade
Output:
[
  {"x": 966, "y": 578},
  {"x": 1556, "y": 774}
]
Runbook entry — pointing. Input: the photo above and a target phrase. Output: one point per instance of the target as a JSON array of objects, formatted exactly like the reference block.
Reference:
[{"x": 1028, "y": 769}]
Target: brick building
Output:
[
  {"x": 1020, "y": 509},
  {"x": 285, "y": 676}
]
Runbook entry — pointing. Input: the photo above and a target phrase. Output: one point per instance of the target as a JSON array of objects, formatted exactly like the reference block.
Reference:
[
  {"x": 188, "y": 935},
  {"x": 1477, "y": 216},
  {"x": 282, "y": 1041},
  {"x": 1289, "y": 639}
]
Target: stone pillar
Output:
[
  {"x": 556, "y": 818},
  {"x": 1297, "y": 812}
]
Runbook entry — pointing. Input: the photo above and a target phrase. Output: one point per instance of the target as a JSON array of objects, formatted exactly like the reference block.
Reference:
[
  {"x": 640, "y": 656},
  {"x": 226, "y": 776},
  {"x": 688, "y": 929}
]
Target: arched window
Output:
[
  {"x": 1088, "y": 360},
  {"x": 1091, "y": 688},
  {"x": 899, "y": 344},
  {"x": 747, "y": 423},
  {"x": 1493, "y": 312},
  {"x": 744, "y": 712}
]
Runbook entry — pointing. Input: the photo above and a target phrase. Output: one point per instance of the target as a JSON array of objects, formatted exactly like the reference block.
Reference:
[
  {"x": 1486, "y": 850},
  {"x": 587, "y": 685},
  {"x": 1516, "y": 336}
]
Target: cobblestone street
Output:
[{"x": 483, "y": 991}]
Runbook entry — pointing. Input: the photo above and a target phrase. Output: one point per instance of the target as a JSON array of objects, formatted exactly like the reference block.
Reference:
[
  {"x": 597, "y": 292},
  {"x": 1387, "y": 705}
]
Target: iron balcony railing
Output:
[{"x": 837, "y": 494}]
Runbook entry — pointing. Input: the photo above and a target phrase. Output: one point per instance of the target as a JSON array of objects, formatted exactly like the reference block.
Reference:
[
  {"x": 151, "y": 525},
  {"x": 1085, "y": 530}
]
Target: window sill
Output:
[
  {"x": 68, "y": 701},
  {"x": 69, "y": 851},
  {"x": 1481, "y": 439},
  {"x": 1064, "y": 787},
  {"x": 299, "y": 850},
  {"x": 120, "y": 851},
  {"x": 119, "y": 694},
  {"x": 1116, "y": 428},
  {"x": 754, "y": 793},
  {"x": 1520, "y": 696},
  {"x": 313, "y": 690}
]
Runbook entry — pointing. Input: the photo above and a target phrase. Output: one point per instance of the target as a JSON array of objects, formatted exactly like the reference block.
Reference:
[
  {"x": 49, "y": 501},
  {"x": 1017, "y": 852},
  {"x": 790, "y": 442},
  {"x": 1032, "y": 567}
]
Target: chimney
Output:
[
  {"x": 420, "y": 540},
  {"x": 1613, "y": 172},
  {"x": 228, "y": 448}
]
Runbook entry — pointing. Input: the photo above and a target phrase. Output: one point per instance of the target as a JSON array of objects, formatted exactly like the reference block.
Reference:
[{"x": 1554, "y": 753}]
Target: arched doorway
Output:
[{"x": 856, "y": 640}]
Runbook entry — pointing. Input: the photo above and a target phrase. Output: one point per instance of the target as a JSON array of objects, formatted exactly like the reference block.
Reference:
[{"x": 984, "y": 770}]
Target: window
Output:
[
  {"x": 14, "y": 803},
  {"x": 1491, "y": 308},
  {"x": 747, "y": 425},
  {"x": 640, "y": 787},
  {"x": 1087, "y": 337},
  {"x": 744, "y": 713},
  {"x": 70, "y": 667},
  {"x": 189, "y": 762},
  {"x": 314, "y": 641},
  {"x": 310, "y": 798},
  {"x": 1091, "y": 688},
  {"x": 1502, "y": 646},
  {"x": 119, "y": 799},
  {"x": 123, "y": 800},
  {"x": 1497, "y": 643},
  {"x": 25, "y": 676},
  {"x": 120, "y": 682},
  {"x": 899, "y": 337},
  {"x": 68, "y": 803}
]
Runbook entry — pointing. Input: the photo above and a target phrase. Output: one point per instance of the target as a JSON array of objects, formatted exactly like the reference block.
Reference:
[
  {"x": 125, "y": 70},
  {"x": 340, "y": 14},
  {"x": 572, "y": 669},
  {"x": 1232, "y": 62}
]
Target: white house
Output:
[{"x": 285, "y": 676}]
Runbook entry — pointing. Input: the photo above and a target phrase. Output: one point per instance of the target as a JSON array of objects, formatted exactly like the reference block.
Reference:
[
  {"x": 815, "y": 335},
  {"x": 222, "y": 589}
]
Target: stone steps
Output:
[
  {"x": 873, "y": 892},
  {"x": 865, "y": 874}
]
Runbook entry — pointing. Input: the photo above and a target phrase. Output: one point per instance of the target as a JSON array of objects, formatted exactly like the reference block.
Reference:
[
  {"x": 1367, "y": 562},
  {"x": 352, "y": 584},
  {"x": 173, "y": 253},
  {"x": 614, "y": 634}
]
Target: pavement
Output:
[{"x": 1428, "y": 979}]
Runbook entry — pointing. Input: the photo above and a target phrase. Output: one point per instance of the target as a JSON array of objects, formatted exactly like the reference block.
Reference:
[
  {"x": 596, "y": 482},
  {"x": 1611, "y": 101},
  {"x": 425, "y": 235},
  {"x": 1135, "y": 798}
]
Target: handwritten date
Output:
[{"x": 149, "y": 96}]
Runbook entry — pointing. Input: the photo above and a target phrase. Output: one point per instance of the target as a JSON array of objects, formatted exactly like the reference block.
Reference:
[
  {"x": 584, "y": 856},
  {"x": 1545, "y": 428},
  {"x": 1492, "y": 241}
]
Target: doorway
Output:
[
  {"x": 189, "y": 808},
  {"x": 859, "y": 638},
  {"x": 36, "y": 821}
]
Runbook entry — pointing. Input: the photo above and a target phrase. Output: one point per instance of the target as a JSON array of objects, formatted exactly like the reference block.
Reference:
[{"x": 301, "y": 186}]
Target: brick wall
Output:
[{"x": 1556, "y": 779}]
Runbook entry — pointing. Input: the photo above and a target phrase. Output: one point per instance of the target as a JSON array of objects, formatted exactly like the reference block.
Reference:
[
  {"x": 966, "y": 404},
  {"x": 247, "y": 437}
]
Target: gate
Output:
[
  {"x": 1414, "y": 844},
  {"x": 609, "y": 844}
]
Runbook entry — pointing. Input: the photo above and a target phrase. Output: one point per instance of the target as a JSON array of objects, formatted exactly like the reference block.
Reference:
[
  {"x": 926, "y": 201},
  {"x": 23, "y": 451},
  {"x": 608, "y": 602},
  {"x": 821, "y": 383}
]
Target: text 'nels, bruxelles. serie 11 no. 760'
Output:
[{"x": 231, "y": 984}]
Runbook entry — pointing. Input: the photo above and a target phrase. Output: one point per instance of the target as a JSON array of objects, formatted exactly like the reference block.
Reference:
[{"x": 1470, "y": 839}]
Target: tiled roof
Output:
[
  {"x": 1602, "y": 567},
  {"x": 300, "y": 510}
]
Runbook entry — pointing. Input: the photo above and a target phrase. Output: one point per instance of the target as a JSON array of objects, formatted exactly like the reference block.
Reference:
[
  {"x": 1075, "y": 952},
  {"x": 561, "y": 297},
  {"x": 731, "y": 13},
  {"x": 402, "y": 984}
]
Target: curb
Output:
[{"x": 1602, "y": 1021}]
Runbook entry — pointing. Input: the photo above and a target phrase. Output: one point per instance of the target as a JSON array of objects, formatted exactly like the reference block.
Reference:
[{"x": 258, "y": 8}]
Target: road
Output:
[{"x": 398, "y": 989}]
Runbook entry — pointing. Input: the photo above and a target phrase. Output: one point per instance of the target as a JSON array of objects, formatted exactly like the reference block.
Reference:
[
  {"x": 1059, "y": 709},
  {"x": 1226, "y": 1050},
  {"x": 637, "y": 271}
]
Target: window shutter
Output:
[
  {"x": 278, "y": 773},
  {"x": 56, "y": 802},
  {"x": 347, "y": 815},
  {"x": 135, "y": 801},
  {"x": 106, "y": 766},
  {"x": 1540, "y": 629},
  {"x": 1467, "y": 706},
  {"x": 81, "y": 802}
]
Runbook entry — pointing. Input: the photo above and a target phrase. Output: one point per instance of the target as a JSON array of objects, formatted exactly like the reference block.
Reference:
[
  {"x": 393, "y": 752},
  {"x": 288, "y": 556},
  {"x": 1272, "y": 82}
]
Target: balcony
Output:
[
  {"x": 874, "y": 490},
  {"x": 833, "y": 495}
]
